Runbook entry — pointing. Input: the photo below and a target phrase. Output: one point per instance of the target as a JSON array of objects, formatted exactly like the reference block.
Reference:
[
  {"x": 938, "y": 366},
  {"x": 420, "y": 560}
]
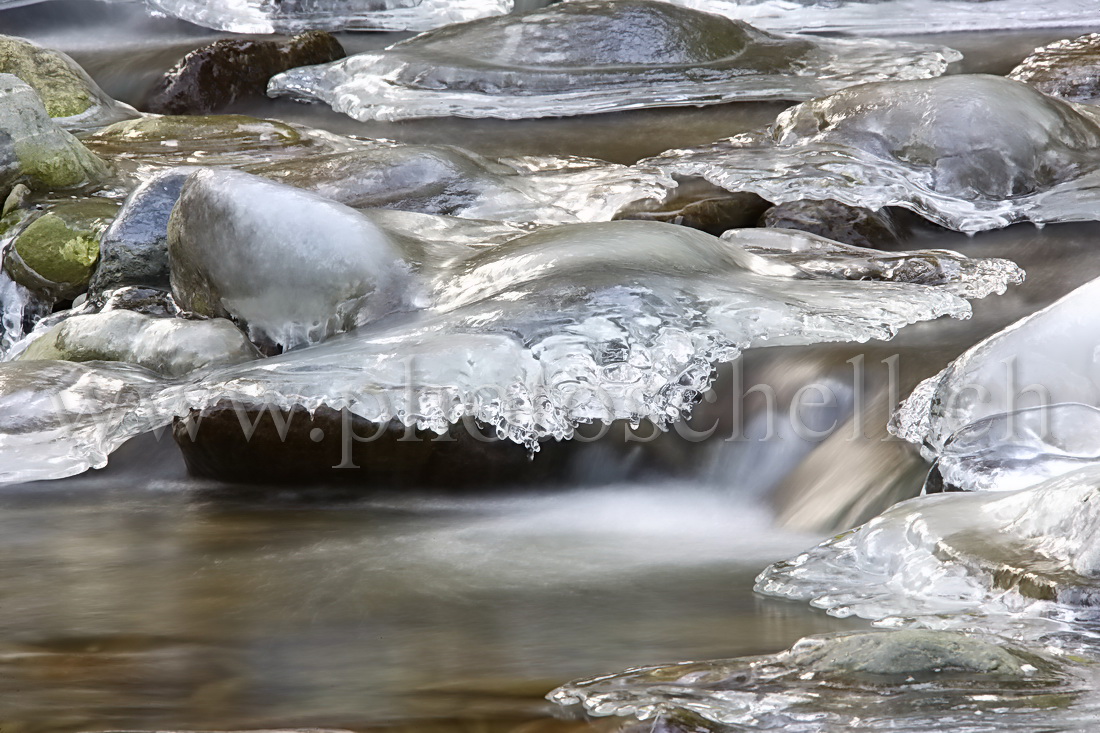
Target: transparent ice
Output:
[
  {"x": 969, "y": 152},
  {"x": 587, "y": 57},
  {"x": 294, "y": 16}
]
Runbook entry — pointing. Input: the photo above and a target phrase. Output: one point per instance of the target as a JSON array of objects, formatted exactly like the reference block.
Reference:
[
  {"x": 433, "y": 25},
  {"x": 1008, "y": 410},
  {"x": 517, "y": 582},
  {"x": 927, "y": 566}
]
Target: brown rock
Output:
[
  {"x": 214, "y": 76},
  {"x": 836, "y": 221}
]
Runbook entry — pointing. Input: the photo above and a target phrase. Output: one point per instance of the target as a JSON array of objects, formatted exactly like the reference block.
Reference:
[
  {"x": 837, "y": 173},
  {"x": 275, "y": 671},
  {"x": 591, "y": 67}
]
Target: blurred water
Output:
[{"x": 137, "y": 598}]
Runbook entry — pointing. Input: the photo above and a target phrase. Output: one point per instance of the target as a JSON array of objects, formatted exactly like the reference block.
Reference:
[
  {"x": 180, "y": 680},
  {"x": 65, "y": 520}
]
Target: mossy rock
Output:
[
  {"x": 55, "y": 254},
  {"x": 60, "y": 83},
  {"x": 240, "y": 129}
]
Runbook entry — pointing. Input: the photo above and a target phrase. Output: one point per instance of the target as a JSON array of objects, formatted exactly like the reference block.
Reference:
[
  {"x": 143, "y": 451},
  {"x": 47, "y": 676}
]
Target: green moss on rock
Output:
[{"x": 57, "y": 79}]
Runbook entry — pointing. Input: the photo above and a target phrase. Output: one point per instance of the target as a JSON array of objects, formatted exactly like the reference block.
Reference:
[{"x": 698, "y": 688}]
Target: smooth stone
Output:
[
  {"x": 54, "y": 255},
  {"x": 247, "y": 444},
  {"x": 834, "y": 220},
  {"x": 34, "y": 149},
  {"x": 134, "y": 249},
  {"x": 172, "y": 347},
  {"x": 1068, "y": 69},
  {"x": 216, "y": 75},
  {"x": 713, "y": 215}
]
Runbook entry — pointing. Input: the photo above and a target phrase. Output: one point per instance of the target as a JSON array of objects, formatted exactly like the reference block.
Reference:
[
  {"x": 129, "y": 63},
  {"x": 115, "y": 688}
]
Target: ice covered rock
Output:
[
  {"x": 528, "y": 334},
  {"x": 819, "y": 257},
  {"x": 1022, "y": 563},
  {"x": 69, "y": 95},
  {"x": 1017, "y": 449},
  {"x": 442, "y": 179},
  {"x": 290, "y": 265},
  {"x": 261, "y": 16},
  {"x": 134, "y": 249},
  {"x": 893, "y": 17},
  {"x": 54, "y": 254},
  {"x": 173, "y": 347},
  {"x": 700, "y": 205},
  {"x": 969, "y": 152},
  {"x": 34, "y": 149},
  {"x": 861, "y": 679},
  {"x": 1068, "y": 69},
  {"x": 1046, "y": 358},
  {"x": 214, "y": 76},
  {"x": 597, "y": 56}
]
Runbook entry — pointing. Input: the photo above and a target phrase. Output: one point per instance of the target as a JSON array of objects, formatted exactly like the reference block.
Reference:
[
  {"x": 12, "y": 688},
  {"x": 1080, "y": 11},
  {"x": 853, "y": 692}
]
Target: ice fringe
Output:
[
  {"x": 571, "y": 59},
  {"x": 969, "y": 152},
  {"x": 905, "y": 17}
]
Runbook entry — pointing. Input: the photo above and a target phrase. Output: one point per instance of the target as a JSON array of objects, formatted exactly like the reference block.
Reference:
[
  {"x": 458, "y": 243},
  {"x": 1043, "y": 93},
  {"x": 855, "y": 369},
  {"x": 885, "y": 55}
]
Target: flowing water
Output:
[{"x": 136, "y": 597}]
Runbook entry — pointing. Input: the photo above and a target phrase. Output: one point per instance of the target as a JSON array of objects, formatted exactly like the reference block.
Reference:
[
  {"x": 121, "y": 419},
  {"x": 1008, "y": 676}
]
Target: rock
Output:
[
  {"x": 1069, "y": 69},
  {"x": 55, "y": 254},
  {"x": 713, "y": 215},
  {"x": 834, "y": 220},
  {"x": 68, "y": 93},
  {"x": 905, "y": 652},
  {"x": 172, "y": 347},
  {"x": 216, "y": 75},
  {"x": 259, "y": 444},
  {"x": 134, "y": 249},
  {"x": 294, "y": 267},
  {"x": 33, "y": 149}
]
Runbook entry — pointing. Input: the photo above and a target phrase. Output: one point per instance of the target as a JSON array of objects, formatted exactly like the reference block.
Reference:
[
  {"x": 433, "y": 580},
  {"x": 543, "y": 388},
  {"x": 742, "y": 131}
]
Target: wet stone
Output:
[
  {"x": 713, "y": 215},
  {"x": 840, "y": 222},
  {"x": 216, "y": 75},
  {"x": 242, "y": 443}
]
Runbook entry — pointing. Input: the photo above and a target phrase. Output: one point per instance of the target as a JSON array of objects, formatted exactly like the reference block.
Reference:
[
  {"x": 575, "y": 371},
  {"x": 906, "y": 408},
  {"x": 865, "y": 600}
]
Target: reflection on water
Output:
[{"x": 138, "y": 598}]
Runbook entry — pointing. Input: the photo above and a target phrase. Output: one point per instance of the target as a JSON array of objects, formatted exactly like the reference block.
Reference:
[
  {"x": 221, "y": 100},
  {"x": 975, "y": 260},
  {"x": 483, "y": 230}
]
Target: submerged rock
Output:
[
  {"x": 836, "y": 681},
  {"x": 834, "y": 220},
  {"x": 55, "y": 254},
  {"x": 173, "y": 347},
  {"x": 258, "y": 16},
  {"x": 968, "y": 152},
  {"x": 586, "y": 57},
  {"x": 902, "y": 17},
  {"x": 1068, "y": 69},
  {"x": 69, "y": 95},
  {"x": 293, "y": 267},
  {"x": 214, "y": 76},
  {"x": 134, "y": 249},
  {"x": 34, "y": 149},
  {"x": 155, "y": 143}
]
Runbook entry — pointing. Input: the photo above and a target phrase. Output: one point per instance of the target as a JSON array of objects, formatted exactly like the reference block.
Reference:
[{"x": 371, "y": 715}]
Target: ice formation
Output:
[
  {"x": 294, "y": 16},
  {"x": 969, "y": 152},
  {"x": 591, "y": 56},
  {"x": 1021, "y": 563},
  {"x": 892, "y": 17},
  {"x": 879, "y": 680},
  {"x": 434, "y": 179},
  {"x": 1043, "y": 359},
  {"x": 531, "y": 332},
  {"x": 1068, "y": 69}
]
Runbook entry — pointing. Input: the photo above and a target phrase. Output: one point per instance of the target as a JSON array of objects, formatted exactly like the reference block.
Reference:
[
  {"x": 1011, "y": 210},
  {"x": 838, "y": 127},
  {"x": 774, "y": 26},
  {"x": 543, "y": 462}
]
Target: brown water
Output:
[{"x": 137, "y": 598}]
